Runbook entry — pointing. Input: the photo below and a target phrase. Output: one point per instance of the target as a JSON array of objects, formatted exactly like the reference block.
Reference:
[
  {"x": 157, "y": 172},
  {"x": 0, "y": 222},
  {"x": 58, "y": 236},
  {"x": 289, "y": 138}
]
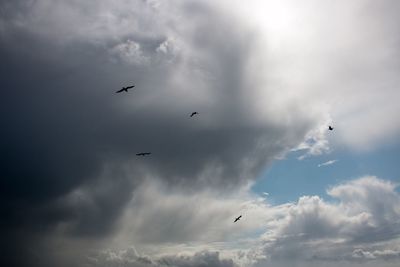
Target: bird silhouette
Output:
[
  {"x": 237, "y": 219},
  {"x": 194, "y": 113},
  {"x": 330, "y": 128},
  {"x": 125, "y": 89},
  {"x": 143, "y": 154}
]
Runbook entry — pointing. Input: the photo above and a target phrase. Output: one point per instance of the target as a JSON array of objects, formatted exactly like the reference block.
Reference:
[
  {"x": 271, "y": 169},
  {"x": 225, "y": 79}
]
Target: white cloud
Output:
[
  {"x": 337, "y": 58},
  {"x": 315, "y": 143},
  {"x": 360, "y": 223},
  {"x": 327, "y": 163}
]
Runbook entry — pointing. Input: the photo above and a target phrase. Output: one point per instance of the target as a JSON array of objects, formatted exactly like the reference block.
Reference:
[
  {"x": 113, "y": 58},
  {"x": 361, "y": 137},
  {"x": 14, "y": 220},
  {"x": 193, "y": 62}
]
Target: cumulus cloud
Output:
[{"x": 359, "y": 226}]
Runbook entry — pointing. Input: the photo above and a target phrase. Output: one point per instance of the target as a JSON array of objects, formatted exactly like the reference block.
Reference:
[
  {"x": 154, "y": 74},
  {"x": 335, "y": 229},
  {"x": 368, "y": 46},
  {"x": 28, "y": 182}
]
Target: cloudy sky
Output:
[{"x": 266, "y": 77}]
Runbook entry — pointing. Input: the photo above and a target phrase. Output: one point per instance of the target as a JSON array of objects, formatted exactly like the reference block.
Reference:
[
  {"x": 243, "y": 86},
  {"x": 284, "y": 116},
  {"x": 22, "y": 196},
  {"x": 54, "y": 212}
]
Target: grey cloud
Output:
[
  {"x": 157, "y": 215},
  {"x": 130, "y": 258},
  {"x": 312, "y": 231},
  {"x": 67, "y": 131},
  {"x": 365, "y": 255},
  {"x": 68, "y": 142}
]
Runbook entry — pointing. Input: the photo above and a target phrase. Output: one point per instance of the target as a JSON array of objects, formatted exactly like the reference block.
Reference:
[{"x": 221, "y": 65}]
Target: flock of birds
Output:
[
  {"x": 125, "y": 89},
  {"x": 143, "y": 154}
]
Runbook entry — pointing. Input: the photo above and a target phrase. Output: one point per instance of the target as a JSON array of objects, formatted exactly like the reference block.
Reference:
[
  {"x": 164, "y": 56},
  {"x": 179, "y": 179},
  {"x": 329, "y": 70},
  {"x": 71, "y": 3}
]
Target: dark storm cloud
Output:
[{"x": 64, "y": 128}]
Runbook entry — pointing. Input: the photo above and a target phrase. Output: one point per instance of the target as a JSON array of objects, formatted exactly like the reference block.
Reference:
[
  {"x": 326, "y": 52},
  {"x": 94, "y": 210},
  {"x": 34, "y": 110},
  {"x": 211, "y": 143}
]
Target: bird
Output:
[
  {"x": 194, "y": 113},
  {"x": 237, "y": 219},
  {"x": 143, "y": 154},
  {"x": 330, "y": 128},
  {"x": 125, "y": 89}
]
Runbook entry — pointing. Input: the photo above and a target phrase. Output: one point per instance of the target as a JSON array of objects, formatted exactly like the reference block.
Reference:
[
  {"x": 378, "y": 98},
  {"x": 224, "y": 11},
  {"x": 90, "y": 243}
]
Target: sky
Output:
[
  {"x": 266, "y": 78},
  {"x": 288, "y": 179}
]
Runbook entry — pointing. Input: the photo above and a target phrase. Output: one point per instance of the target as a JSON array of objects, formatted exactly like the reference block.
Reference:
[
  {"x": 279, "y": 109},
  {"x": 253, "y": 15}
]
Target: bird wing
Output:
[
  {"x": 120, "y": 90},
  {"x": 129, "y": 87}
]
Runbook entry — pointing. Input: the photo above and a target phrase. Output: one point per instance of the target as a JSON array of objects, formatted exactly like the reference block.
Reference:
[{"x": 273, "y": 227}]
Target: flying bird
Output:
[
  {"x": 143, "y": 154},
  {"x": 238, "y": 218},
  {"x": 194, "y": 113},
  {"x": 125, "y": 89},
  {"x": 330, "y": 128}
]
